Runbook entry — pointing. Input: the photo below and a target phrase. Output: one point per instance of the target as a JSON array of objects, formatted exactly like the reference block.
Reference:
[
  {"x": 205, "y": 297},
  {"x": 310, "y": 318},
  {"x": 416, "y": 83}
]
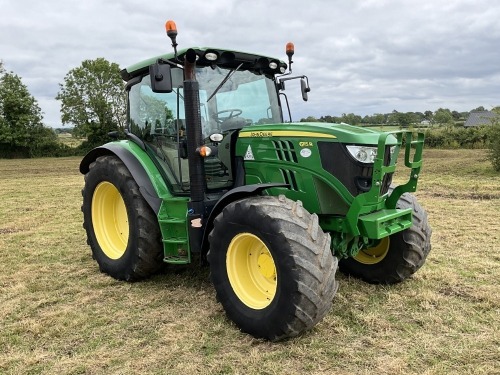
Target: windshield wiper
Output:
[{"x": 224, "y": 81}]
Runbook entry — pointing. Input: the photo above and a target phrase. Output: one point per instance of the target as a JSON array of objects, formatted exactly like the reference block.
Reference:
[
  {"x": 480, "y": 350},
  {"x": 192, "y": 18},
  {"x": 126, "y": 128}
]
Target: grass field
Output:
[
  {"x": 68, "y": 140},
  {"x": 60, "y": 315}
]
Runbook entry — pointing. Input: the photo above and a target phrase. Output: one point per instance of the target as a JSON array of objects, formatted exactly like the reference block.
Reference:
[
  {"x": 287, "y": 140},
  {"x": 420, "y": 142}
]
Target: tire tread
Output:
[
  {"x": 147, "y": 257},
  {"x": 311, "y": 257}
]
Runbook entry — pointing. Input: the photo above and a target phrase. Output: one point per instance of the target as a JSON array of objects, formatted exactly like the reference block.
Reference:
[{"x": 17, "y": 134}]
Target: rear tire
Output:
[
  {"x": 397, "y": 257},
  {"x": 122, "y": 230},
  {"x": 272, "y": 267}
]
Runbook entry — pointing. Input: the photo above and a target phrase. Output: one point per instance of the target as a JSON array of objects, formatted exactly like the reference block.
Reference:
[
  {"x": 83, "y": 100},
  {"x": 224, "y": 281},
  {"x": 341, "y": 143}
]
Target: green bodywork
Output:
[
  {"x": 370, "y": 215},
  {"x": 173, "y": 209},
  {"x": 289, "y": 154}
]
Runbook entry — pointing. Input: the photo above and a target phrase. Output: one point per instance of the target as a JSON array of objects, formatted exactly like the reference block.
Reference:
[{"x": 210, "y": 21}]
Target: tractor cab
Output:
[{"x": 236, "y": 90}]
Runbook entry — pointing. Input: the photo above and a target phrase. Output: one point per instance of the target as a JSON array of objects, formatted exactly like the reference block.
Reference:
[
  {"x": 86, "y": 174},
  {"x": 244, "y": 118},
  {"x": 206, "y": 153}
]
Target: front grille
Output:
[{"x": 354, "y": 175}]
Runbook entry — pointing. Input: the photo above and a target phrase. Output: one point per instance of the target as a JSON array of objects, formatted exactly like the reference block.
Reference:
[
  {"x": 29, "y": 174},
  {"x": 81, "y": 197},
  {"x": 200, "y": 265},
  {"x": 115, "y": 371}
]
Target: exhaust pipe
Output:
[{"x": 196, "y": 207}]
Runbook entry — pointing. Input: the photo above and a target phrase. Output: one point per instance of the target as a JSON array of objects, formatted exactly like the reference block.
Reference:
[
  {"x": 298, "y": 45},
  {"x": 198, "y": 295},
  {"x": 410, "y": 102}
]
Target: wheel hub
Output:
[
  {"x": 251, "y": 270},
  {"x": 376, "y": 254},
  {"x": 266, "y": 266}
]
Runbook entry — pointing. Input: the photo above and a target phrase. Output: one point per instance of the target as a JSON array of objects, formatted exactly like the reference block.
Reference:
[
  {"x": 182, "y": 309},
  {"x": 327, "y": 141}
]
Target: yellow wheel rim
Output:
[
  {"x": 110, "y": 220},
  {"x": 375, "y": 254},
  {"x": 251, "y": 271}
]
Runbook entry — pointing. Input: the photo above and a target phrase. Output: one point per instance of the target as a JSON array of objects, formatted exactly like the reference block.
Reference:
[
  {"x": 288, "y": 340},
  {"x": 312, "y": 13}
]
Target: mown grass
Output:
[
  {"x": 68, "y": 140},
  {"x": 60, "y": 315}
]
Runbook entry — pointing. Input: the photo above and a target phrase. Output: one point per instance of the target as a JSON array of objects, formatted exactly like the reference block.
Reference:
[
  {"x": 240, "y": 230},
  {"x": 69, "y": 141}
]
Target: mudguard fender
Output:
[
  {"x": 133, "y": 165},
  {"x": 235, "y": 194}
]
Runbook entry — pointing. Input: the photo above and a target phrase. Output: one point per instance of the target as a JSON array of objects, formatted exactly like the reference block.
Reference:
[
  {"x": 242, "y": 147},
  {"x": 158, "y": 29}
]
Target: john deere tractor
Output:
[{"x": 212, "y": 168}]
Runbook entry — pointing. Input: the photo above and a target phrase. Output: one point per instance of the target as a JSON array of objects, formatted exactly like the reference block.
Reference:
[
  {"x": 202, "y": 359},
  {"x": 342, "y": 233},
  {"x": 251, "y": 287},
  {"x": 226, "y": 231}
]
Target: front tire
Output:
[
  {"x": 397, "y": 257},
  {"x": 272, "y": 266},
  {"x": 122, "y": 230}
]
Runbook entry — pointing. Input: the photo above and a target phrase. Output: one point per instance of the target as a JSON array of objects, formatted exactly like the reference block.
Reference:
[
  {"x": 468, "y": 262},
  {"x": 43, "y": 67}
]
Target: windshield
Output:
[
  {"x": 229, "y": 100},
  {"x": 245, "y": 98}
]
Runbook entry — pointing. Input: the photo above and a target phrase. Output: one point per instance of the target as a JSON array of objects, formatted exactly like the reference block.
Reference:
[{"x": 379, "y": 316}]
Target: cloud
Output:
[{"x": 361, "y": 56}]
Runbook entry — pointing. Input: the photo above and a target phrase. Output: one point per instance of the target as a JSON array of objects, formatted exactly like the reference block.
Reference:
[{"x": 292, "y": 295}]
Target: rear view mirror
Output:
[
  {"x": 304, "y": 86},
  {"x": 161, "y": 77}
]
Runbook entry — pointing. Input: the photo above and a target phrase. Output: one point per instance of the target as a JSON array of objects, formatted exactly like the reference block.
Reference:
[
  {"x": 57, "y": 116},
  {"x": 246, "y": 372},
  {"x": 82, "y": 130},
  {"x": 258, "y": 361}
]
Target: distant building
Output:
[{"x": 480, "y": 118}]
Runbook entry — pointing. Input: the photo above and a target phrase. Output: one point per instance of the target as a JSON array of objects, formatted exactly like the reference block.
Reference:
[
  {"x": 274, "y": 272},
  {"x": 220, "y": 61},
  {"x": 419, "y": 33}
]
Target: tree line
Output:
[
  {"x": 442, "y": 116},
  {"x": 93, "y": 103},
  {"x": 92, "y": 100},
  {"x": 22, "y": 132}
]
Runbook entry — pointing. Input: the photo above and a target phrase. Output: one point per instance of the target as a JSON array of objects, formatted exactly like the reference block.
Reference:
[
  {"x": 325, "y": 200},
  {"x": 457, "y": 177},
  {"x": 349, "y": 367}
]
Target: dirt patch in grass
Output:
[{"x": 60, "y": 315}]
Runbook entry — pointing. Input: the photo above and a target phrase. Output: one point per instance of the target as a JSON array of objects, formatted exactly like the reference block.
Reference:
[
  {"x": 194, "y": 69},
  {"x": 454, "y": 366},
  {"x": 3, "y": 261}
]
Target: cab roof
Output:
[{"x": 225, "y": 59}]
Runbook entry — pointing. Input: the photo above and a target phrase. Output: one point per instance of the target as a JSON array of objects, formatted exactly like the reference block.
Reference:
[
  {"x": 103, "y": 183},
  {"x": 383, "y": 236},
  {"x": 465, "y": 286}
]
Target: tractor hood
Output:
[{"x": 342, "y": 133}]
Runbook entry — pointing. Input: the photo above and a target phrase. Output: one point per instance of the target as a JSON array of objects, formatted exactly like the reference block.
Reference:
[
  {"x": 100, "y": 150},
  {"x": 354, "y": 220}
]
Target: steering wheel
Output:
[{"x": 234, "y": 112}]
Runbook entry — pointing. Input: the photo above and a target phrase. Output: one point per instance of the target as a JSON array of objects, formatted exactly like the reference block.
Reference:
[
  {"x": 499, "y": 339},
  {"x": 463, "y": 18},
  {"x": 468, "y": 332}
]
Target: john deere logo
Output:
[
  {"x": 286, "y": 133},
  {"x": 261, "y": 134}
]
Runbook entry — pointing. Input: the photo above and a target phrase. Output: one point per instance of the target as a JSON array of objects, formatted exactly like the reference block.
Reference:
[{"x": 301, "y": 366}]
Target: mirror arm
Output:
[
  {"x": 171, "y": 63},
  {"x": 294, "y": 77}
]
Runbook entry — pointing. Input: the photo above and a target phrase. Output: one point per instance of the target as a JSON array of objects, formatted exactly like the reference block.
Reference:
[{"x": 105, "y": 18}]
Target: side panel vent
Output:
[
  {"x": 289, "y": 178},
  {"x": 285, "y": 151}
]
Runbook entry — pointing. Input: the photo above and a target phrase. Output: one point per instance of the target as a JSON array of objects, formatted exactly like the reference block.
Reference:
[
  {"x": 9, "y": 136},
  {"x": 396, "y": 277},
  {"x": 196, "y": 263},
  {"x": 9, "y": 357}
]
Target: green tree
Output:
[
  {"x": 443, "y": 116},
  {"x": 351, "y": 119},
  {"x": 328, "y": 118},
  {"x": 405, "y": 119},
  {"x": 429, "y": 116},
  {"x": 392, "y": 118},
  {"x": 494, "y": 140},
  {"x": 22, "y": 132},
  {"x": 418, "y": 117},
  {"x": 93, "y": 100},
  {"x": 379, "y": 118},
  {"x": 309, "y": 119}
]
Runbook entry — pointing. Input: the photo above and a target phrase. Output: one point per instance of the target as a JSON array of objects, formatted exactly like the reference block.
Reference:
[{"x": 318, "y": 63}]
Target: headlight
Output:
[
  {"x": 364, "y": 154},
  {"x": 211, "y": 56}
]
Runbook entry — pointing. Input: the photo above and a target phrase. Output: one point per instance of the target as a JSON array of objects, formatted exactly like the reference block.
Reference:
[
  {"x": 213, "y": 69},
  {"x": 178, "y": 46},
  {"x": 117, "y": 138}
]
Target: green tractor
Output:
[{"x": 210, "y": 170}]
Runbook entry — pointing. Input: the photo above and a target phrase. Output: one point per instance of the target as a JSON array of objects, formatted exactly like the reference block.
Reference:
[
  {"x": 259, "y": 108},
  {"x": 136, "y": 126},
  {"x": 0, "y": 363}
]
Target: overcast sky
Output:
[{"x": 365, "y": 57}]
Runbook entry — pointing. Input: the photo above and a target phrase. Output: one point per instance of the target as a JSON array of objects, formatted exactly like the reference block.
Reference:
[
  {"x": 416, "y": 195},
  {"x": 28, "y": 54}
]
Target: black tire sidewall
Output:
[
  {"x": 124, "y": 183},
  {"x": 378, "y": 272},
  {"x": 399, "y": 263}
]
